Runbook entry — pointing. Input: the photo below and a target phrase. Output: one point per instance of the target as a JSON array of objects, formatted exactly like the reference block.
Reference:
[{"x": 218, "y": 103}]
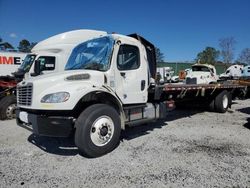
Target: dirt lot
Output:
[{"x": 192, "y": 148}]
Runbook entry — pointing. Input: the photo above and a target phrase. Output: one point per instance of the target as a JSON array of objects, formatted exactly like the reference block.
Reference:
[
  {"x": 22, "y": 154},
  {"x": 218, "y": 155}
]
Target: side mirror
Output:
[{"x": 37, "y": 69}]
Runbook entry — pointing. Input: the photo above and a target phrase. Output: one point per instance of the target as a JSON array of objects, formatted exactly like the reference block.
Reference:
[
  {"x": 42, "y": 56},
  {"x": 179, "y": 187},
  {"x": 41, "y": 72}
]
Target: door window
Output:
[{"x": 128, "y": 58}]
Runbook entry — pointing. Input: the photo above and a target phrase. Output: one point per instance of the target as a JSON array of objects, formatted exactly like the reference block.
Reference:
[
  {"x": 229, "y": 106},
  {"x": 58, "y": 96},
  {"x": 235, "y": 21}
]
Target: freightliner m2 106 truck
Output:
[
  {"x": 52, "y": 53},
  {"x": 108, "y": 83}
]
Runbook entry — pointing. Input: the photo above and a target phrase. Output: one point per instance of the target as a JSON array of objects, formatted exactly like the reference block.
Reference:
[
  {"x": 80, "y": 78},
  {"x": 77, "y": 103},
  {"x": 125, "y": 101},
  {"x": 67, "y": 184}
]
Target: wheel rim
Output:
[
  {"x": 225, "y": 101},
  {"x": 102, "y": 131},
  {"x": 11, "y": 111}
]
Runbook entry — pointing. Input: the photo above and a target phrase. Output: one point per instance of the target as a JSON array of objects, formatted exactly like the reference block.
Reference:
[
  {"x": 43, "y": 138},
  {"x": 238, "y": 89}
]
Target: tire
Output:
[
  {"x": 211, "y": 106},
  {"x": 8, "y": 107},
  {"x": 222, "y": 102},
  {"x": 98, "y": 130}
]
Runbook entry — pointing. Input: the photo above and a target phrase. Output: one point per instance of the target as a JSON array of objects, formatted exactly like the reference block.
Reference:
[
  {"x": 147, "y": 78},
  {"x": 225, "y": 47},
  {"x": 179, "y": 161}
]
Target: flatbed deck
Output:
[
  {"x": 180, "y": 91},
  {"x": 179, "y": 87}
]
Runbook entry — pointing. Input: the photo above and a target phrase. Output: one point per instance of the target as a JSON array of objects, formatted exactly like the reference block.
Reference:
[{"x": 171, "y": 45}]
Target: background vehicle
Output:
[
  {"x": 52, "y": 55},
  {"x": 246, "y": 71},
  {"x": 105, "y": 86},
  {"x": 202, "y": 74},
  {"x": 233, "y": 72},
  {"x": 165, "y": 74},
  {"x": 10, "y": 62}
]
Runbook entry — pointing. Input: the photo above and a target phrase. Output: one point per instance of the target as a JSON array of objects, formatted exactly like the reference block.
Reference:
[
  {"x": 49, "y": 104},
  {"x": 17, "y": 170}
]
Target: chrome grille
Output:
[{"x": 24, "y": 94}]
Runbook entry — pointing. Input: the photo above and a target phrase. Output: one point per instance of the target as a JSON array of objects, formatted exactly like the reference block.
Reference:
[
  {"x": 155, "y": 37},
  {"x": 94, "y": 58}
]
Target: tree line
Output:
[
  {"x": 210, "y": 55},
  {"x": 24, "y": 46}
]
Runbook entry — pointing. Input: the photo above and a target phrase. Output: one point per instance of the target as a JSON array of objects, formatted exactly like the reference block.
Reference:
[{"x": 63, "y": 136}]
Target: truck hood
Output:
[
  {"x": 76, "y": 82},
  {"x": 95, "y": 77}
]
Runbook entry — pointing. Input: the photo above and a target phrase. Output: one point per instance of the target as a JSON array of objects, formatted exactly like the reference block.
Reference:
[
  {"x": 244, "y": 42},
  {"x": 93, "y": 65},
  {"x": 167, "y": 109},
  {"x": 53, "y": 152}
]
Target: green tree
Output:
[
  {"x": 209, "y": 56},
  {"x": 24, "y": 46},
  {"x": 32, "y": 45},
  {"x": 159, "y": 55},
  {"x": 5, "y": 45}
]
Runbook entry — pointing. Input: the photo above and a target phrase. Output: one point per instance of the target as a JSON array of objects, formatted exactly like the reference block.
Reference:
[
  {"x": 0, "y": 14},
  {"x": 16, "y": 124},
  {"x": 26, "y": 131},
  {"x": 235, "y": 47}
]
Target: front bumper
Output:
[{"x": 53, "y": 126}]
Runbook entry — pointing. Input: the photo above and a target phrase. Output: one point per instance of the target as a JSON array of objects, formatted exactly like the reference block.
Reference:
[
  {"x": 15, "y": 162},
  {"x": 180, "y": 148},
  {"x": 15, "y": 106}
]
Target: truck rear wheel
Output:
[
  {"x": 222, "y": 102},
  {"x": 97, "y": 130},
  {"x": 211, "y": 106},
  {"x": 8, "y": 107}
]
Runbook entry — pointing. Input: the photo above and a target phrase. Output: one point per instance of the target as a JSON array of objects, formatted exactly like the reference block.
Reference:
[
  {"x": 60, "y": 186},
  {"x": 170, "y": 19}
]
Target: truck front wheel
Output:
[
  {"x": 222, "y": 102},
  {"x": 8, "y": 107},
  {"x": 97, "y": 130}
]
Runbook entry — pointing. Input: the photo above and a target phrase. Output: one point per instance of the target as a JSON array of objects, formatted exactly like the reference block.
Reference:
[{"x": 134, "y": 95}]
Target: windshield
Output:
[
  {"x": 93, "y": 54},
  {"x": 27, "y": 62},
  {"x": 200, "y": 68}
]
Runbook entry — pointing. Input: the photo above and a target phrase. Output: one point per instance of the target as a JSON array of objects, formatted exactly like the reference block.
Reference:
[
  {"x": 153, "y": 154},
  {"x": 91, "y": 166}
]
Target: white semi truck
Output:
[
  {"x": 52, "y": 53},
  {"x": 108, "y": 83}
]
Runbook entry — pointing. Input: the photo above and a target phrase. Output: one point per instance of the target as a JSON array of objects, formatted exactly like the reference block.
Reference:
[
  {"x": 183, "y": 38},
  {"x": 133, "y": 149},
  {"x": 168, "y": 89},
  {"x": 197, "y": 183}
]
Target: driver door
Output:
[{"x": 131, "y": 74}]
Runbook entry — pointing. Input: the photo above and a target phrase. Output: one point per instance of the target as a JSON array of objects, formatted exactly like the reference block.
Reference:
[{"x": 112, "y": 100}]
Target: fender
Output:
[{"x": 106, "y": 95}]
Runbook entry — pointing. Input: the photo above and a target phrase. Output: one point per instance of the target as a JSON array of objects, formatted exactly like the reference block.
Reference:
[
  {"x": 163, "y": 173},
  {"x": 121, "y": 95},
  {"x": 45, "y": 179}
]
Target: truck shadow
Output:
[
  {"x": 183, "y": 112},
  {"x": 67, "y": 147},
  {"x": 58, "y": 146},
  {"x": 247, "y": 125},
  {"x": 245, "y": 110},
  {"x": 140, "y": 130}
]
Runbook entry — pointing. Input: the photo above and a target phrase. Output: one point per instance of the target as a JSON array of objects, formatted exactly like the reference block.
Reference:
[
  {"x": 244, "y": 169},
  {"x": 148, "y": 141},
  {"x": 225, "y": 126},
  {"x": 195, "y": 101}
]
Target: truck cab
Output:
[
  {"x": 49, "y": 56},
  {"x": 53, "y": 53},
  {"x": 202, "y": 74},
  {"x": 105, "y": 78},
  {"x": 233, "y": 72}
]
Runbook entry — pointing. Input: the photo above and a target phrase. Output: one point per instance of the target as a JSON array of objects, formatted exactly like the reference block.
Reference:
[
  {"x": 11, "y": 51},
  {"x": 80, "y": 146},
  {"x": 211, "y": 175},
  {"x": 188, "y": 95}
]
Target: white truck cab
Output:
[
  {"x": 246, "y": 71},
  {"x": 50, "y": 55},
  {"x": 233, "y": 72},
  {"x": 106, "y": 80},
  {"x": 202, "y": 74}
]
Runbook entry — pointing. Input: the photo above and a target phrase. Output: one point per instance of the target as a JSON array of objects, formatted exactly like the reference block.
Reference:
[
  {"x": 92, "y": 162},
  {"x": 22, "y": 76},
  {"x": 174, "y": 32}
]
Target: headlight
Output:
[{"x": 55, "y": 97}]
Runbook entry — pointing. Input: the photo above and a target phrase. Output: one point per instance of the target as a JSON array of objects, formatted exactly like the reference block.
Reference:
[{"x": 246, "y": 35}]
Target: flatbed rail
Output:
[
  {"x": 179, "y": 87},
  {"x": 192, "y": 91}
]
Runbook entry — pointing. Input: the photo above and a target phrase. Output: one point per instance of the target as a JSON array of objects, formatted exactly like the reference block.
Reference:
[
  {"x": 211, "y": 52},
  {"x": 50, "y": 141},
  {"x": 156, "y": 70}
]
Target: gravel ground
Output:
[{"x": 192, "y": 148}]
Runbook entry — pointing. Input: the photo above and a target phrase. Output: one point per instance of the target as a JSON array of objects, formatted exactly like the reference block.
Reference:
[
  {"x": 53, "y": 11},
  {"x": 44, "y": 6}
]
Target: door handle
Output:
[
  {"x": 143, "y": 83},
  {"x": 123, "y": 74}
]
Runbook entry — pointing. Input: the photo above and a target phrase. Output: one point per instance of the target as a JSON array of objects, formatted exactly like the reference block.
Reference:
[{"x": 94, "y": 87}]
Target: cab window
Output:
[{"x": 128, "y": 57}]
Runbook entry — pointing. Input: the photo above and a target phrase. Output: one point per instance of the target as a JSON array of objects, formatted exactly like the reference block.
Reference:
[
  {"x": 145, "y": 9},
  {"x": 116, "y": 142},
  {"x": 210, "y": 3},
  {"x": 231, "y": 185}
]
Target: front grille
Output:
[
  {"x": 191, "y": 80},
  {"x": 24, "y": 94}
]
